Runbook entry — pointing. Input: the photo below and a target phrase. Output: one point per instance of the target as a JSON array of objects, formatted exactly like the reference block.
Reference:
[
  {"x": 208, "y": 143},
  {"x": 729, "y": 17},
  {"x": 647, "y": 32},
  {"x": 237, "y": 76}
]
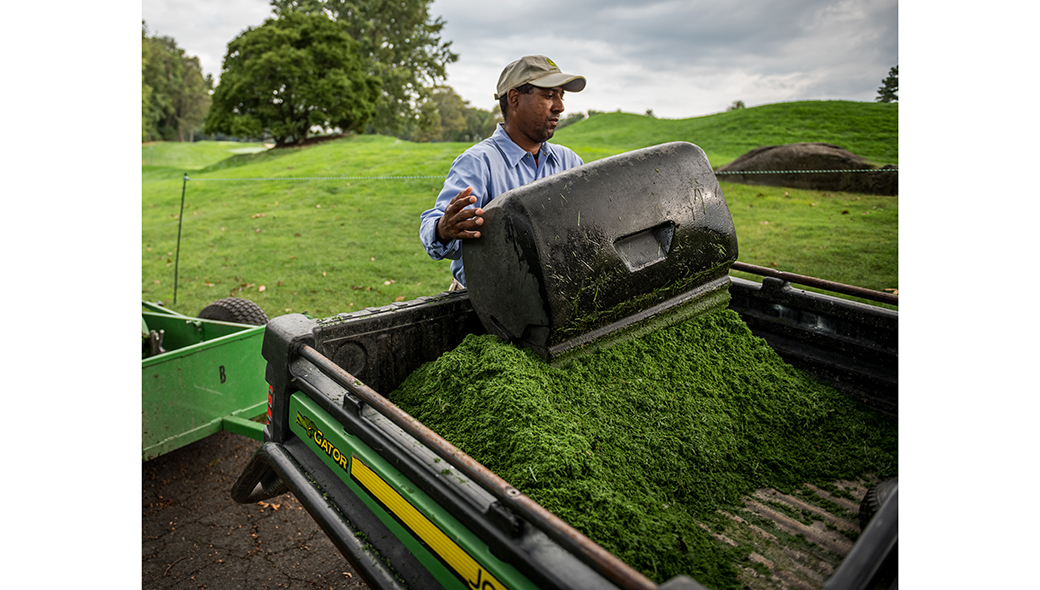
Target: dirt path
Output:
[{"x": 193, "y": 535}]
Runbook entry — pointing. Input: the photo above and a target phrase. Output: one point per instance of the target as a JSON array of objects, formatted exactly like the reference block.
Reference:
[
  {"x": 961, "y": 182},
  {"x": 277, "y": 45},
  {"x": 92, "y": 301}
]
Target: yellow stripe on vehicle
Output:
[{"x": 454, "y": 556}]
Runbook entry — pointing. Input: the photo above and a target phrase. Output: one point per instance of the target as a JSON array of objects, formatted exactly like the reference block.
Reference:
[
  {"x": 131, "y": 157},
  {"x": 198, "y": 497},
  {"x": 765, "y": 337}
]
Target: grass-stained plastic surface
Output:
[{"x": 636, "y": 444}]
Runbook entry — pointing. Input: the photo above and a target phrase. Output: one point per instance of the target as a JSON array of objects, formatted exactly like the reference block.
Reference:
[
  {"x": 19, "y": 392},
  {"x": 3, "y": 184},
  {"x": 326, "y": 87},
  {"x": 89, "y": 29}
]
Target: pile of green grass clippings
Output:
[{"x": 636, "y": 444}]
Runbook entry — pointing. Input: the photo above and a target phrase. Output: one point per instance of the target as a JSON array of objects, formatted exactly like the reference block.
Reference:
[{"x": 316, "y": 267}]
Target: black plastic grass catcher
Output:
[{"x": 602, "y": 252}]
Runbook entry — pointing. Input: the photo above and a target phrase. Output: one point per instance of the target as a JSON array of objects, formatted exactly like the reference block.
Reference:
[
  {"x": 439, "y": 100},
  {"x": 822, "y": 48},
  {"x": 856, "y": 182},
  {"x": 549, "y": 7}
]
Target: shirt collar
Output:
[{"x": 514, "y": 153}]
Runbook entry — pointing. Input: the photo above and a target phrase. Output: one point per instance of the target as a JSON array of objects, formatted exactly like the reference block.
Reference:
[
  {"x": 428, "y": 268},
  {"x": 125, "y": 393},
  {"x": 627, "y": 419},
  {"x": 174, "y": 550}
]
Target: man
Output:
[{"x": 530, "y": 93}]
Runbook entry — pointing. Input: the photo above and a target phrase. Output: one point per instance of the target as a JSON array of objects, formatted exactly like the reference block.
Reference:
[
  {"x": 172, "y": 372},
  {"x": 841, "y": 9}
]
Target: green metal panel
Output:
[
  {"x": 180, "y": 332},
  {"x": 455, "y": 556},
  {"x": 214, "y": 382}
]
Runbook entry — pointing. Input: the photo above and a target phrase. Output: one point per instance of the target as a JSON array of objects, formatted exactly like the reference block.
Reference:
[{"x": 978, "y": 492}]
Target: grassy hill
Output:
[
  {"x": 193, "y": 156},
  {"x": 324, "y": 230},
  {"x": 866, "y": 129}
]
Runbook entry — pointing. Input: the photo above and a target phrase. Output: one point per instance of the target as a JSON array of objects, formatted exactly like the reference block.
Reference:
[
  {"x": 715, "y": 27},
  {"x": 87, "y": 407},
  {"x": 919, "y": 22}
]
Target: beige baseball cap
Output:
[{"x": 539, "y": 71}]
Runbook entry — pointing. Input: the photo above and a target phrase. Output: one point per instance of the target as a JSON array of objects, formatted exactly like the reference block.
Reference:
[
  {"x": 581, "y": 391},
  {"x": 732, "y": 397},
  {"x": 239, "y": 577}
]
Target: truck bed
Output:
[{"x": 325, "y": 376}]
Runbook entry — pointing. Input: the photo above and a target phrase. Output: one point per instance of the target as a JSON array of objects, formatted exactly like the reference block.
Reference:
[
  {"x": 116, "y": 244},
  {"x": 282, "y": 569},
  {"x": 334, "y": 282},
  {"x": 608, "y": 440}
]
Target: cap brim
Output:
[{"x": 569, "y": 82}]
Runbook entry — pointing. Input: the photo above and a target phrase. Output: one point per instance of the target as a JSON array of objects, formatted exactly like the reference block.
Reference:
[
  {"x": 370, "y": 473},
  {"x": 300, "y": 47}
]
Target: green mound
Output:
[
  {"x": 636, "y": 444},
  {"x": 867, "y": 129}
]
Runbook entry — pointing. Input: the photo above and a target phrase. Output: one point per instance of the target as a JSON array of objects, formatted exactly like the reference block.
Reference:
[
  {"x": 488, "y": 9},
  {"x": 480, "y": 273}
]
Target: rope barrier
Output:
[
  {"x": 324, "y": 178},
  {"x": 443, "y": 177},
  {"x": 803, "y": 171}
]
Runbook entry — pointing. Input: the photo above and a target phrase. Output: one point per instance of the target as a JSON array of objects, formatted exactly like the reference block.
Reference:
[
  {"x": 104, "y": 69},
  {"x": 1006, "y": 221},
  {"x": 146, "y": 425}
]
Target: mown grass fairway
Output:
[{"x": 324, "y": 246}]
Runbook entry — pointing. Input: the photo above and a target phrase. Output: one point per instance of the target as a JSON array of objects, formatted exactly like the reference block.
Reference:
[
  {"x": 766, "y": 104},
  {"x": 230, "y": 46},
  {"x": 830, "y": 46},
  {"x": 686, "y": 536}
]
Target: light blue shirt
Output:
[{"x": 491, "y": 167}]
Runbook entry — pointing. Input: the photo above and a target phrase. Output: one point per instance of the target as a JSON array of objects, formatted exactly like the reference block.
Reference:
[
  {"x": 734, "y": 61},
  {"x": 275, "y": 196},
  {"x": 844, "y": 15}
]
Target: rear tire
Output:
[
  {"x": 874, "y": 500},
  {"x": 235, "y": 310}
]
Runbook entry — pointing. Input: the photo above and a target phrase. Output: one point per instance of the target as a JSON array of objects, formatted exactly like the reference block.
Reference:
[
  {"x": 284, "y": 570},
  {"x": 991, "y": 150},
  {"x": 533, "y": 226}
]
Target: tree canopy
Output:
[
  {"x": 889, "y": 87},
  {"x": 294, "y": 72},
  {"x": 400, "y": 45},
  {"x": 175, "y": 95},
  {"x": 450, "y": 118}
]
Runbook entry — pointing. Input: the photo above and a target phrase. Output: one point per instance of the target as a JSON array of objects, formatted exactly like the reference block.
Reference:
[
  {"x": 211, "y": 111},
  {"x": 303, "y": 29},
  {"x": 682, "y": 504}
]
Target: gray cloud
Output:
[{"x": 681, "y": 58}]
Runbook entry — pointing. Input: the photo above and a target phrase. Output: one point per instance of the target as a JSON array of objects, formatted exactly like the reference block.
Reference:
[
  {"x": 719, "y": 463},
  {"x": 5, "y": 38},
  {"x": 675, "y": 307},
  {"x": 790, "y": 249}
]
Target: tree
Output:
[
  {"x": 459, "y": 121},
  {"x": 736, "y": 105},
  {"x": 401, "y": 46},
  {"x": 431, "y": 130},
  {"x": 889, "y": 87},
  {"x": 175, "y": 95},
  {"x": 491, "y": 120},
  {"x": 452, "y": 111},
  {"x": 195, "y": 100},
  {"x": 293, "y": 73},
  {"x": 450, "y": 118}
]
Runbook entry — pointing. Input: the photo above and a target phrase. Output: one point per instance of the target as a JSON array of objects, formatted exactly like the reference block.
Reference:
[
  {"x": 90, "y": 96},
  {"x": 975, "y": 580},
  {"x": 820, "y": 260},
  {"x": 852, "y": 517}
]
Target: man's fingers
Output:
[
  {"x": 459, "y": 203},
  {"x": 465, "y": 197},
  {"x": 465, "y": 226},
  {"x": 467, "y": 214},
  {"x": 461, "y": 216},
  {"x": 460, "y": 222}
]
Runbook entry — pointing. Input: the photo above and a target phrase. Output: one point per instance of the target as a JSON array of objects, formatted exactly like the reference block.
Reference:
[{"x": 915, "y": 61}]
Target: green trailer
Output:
[{"x": 200, "y": 375}]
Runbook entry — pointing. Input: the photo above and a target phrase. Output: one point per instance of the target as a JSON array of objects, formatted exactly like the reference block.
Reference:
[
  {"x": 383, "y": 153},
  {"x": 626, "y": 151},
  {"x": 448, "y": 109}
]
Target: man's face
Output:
[{"x": 538, "y": 112}]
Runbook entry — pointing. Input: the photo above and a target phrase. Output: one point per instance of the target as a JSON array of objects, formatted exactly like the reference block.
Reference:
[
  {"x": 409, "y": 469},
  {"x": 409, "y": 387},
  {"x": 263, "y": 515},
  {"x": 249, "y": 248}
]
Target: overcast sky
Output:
[{"x": 681, "y": 58}]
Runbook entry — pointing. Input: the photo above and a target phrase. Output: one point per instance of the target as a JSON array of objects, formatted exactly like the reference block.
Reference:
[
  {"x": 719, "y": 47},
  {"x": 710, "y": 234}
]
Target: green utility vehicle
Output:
[{"x": 583, "y": 259}]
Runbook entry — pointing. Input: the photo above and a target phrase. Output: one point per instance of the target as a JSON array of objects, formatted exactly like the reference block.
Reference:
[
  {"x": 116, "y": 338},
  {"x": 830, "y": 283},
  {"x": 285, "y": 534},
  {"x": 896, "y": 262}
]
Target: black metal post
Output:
[{"x": 180, "y": 221}]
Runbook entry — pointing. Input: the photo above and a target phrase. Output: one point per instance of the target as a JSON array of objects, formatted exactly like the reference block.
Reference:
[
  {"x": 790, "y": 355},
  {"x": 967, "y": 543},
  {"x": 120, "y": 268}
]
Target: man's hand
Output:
[{"x": 458, "y": 222}]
